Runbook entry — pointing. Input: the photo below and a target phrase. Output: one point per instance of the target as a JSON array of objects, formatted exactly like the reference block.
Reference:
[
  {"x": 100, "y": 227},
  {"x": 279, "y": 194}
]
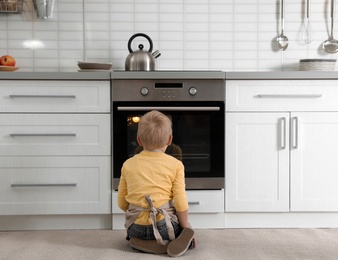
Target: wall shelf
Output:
[{"x": 11, "y": 6}]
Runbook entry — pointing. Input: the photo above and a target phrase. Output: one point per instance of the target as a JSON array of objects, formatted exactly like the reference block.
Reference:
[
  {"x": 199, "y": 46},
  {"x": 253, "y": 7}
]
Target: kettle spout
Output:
[{"x": 156, "y": 54}]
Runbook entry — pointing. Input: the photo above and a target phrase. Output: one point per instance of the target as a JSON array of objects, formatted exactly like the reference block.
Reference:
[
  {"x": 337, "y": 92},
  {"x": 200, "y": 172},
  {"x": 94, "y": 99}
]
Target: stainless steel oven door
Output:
[{"x": 198, "y": 138}]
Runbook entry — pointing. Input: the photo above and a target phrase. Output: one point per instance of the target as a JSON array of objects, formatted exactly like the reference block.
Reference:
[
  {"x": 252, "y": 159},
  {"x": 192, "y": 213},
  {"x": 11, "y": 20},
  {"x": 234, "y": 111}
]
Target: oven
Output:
[{"x": 195, "y": 104}]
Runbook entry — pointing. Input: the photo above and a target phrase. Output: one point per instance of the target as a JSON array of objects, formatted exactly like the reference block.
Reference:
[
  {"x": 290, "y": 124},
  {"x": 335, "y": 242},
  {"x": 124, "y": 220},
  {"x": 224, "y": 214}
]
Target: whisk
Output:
[{"x": 308, "y": 32}]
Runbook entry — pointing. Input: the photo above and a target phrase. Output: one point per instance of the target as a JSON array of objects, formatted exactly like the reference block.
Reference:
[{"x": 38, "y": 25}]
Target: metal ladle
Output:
[
  {"x": 282, "y": 40},
  {"x": 331, "y": 44}
]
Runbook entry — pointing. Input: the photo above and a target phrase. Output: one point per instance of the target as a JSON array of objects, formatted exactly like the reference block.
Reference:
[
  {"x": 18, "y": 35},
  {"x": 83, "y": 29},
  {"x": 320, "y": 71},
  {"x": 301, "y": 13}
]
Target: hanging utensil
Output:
[
  {"x": 308, "y": 32},
  {"x": 282, "y": 40},
  {"x": 331, "y": 45}
]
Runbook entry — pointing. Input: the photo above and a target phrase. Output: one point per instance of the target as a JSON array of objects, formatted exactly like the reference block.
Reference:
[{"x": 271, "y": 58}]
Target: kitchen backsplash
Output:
[{"x": 230, "y": 35}]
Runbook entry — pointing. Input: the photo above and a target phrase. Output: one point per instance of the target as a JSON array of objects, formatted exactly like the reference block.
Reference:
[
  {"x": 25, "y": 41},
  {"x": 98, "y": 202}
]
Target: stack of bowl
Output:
[{"x": 317, "y": 64}]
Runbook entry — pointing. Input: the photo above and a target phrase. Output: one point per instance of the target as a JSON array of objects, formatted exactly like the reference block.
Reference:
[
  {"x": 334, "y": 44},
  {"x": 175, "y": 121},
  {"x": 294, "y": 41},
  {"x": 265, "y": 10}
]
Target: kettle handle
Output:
[{"x": 140, "y": 34}]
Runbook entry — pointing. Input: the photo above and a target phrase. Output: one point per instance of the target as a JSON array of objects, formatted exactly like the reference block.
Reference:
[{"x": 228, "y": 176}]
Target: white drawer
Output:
[
  {"x": 205, "y": 201},
  {"x": 54, "y": 96},
  {"x": 115, "y": 207},
  {"x": 200, "y": 201},
  {"x": 54, "y": 134},
  {"x": 55, "y": 185},
  {"x": 282, "y": 95}
]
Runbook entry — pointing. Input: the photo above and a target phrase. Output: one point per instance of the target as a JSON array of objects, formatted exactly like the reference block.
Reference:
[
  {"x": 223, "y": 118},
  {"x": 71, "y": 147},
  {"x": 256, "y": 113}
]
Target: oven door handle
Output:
[{"x": 169, "y": 108}]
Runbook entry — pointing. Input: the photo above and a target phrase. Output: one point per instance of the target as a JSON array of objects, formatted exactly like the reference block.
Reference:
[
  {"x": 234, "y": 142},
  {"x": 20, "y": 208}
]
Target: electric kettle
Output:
[{"x": 141, "y": 60}]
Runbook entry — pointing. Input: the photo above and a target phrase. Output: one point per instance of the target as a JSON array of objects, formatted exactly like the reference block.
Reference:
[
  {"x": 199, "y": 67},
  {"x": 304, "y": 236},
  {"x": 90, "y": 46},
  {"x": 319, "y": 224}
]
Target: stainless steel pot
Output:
[{"x": 140, "y": 59}]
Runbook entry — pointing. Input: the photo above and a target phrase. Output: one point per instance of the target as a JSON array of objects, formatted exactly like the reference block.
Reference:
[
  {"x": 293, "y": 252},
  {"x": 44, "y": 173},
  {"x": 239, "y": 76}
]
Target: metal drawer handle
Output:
[
  {"x": 295, "y": 131},
  {"x": 52, "y": 135},
  {"x": 283, "y": 133},
  {"x": 194, "y": 203},
  {"x": 42, "y": 96},
  {"x": 43, "y": 185},
  {"x": 289, "y": 95}
]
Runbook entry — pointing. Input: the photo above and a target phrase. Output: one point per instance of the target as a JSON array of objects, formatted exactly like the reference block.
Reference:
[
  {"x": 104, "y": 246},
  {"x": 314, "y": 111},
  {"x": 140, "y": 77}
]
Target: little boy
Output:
[{"x": 150, "y": 183}]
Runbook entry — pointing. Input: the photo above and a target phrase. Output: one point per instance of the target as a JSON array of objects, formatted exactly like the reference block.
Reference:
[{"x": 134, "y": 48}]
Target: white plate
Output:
[{"x": 8, "y": 68}]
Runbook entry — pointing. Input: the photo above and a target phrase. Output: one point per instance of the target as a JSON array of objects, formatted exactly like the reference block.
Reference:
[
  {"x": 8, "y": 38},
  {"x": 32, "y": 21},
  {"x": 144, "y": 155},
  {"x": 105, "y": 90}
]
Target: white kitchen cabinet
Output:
[
  {"x": 257, "y": 162},
  {"x": 314, "y": 164},
  {"x": 55, "y": 152},
  {"x": 281, "y": 146}
]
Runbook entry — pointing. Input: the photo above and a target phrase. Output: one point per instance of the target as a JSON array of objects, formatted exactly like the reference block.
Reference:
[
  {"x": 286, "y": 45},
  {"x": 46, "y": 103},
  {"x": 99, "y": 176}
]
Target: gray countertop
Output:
[
  {"x": 106, "y": 75},
  {"x": 282, "y": 75},
  {"x": 102, "y": 75}
]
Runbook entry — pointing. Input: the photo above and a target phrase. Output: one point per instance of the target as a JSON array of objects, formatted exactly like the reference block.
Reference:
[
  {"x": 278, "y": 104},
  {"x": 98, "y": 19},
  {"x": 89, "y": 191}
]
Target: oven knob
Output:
[
  {"x": 144, "y": 91},
  {"x": 192, "y": 91}
]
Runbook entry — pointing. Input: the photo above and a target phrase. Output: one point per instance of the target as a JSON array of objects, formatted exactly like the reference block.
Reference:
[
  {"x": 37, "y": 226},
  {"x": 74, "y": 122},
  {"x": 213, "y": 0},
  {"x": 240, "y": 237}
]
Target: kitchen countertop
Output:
[
  {"x": 282, "y": 75},
  {"x": 107, "y": 75},
  {"x": 101, "y": 75}
]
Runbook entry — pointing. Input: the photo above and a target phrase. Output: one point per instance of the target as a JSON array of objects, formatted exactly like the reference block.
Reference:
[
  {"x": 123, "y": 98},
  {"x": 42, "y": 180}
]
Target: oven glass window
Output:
[
  {"x": 198, "y": 136},
  {"x": 191, "y": 139}
]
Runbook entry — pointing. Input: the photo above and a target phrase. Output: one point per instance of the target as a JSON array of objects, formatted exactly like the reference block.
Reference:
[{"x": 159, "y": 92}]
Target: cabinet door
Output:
[
  {"x": 314, "y": 162},
  {"x": 257, "y": 162}
]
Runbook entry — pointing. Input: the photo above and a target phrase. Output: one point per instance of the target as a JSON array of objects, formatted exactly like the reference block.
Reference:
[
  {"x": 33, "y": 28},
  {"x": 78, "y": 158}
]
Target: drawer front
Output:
[
  {"x": 55, "y": 185},
  {"x": 205, "y": 201},
  {"x": 282, "y": 95},
  {"x": 54, "y": 134},
  {"x": 115, "y": 206},
  {"x": 54, "y": 96}
]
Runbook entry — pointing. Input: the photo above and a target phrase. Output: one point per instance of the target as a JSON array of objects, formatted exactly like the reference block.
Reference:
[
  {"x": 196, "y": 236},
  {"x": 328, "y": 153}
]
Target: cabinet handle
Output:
[
  {"x": 43, "y": 185},
  {"x": 289, "y": 95},
  {"x": 283, "y": 133},
  {"x": 194, "y": 203},
  {"x": 42, "y": 96},
  {"x": 145, "y": 108},
  {"x": 295, "y": 133},
  {"x": 52, "y": 135}
]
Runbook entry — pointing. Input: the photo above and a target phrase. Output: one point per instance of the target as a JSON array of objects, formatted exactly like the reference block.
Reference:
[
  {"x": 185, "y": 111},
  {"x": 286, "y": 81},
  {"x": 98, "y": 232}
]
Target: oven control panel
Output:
[
  {"x": 168, "y": 90},
  {"x": 168, "y": 94}
]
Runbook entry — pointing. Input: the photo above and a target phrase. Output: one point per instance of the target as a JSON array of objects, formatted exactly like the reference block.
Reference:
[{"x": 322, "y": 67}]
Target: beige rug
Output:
[{"x": 285, "y": 244}]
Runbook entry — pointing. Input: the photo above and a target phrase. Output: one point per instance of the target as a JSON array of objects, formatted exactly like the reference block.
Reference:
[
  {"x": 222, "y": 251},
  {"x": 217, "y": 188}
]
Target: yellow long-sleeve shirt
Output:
[{"x": 154, "y": 173}]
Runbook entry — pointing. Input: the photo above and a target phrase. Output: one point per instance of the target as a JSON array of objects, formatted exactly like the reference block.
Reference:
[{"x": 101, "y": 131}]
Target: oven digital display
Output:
[{"x": 168, "y": 85}]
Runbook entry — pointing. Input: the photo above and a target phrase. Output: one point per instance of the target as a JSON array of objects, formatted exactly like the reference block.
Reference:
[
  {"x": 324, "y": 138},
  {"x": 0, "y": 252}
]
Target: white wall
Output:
[{"x": 231, "y": 35}]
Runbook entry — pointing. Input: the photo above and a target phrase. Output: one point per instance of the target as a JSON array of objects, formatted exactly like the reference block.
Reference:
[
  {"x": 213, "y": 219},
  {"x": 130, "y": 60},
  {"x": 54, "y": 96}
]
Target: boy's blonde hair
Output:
[{"x": 154, "y": 130}]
